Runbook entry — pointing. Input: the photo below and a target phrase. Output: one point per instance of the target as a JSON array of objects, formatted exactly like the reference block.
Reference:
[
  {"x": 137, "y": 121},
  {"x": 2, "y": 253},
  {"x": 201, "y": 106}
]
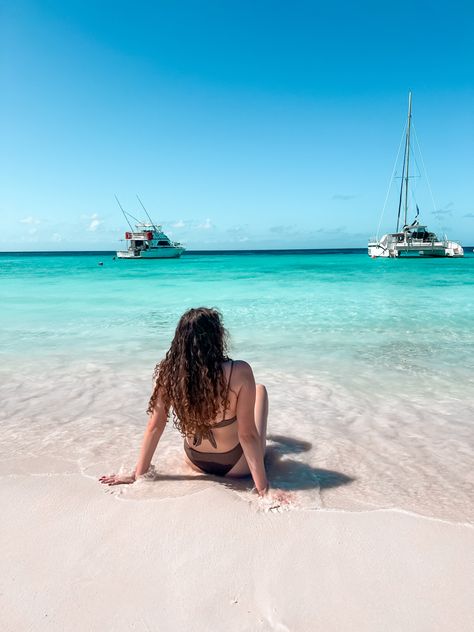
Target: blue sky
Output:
[{"x": 241, "y": 124}]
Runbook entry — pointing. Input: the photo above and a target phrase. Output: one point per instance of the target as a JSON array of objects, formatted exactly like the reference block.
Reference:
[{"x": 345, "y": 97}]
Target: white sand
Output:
[{"x": 77, "y": 558}]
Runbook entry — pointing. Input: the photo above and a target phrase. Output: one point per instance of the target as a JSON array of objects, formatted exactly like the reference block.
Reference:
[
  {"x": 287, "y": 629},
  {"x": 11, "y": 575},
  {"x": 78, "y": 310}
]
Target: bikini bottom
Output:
[{"x": 218, "y": 463}]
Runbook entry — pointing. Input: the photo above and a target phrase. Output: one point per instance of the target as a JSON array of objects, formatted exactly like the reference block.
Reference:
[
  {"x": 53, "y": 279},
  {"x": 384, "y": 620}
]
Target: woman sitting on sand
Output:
[{"x": 215, "y": 404}]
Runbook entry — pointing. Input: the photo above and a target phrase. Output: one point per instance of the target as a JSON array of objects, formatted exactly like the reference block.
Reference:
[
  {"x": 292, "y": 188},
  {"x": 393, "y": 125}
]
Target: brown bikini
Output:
[{"x": 218, "y": 463}]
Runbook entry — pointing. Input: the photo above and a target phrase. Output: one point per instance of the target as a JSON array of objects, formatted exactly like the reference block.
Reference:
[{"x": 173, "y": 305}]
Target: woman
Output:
[{"x": 215, "y": 404}]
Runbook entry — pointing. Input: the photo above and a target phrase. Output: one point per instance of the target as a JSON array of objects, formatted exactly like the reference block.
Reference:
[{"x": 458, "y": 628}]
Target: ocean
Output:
[{"x": 368, "y": 364}]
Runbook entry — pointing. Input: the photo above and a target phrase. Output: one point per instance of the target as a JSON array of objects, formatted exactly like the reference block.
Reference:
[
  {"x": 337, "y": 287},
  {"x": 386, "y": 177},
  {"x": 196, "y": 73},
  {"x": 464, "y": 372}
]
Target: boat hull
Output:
[
  {"x": 385, "y": 249},
  {"x": 155, "y": 253}
]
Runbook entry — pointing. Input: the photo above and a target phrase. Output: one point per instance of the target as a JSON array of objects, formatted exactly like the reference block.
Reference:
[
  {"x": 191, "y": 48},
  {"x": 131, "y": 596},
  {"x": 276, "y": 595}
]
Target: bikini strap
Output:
[
  {"x": 225, "y": 422},
  {"x": 228, "y": 388}
]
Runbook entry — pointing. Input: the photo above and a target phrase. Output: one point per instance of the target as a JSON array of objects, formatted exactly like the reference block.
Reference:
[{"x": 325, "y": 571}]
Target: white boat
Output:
[
  {"x": 411, "y": 239},
  {"x": 148, "y": 241}
]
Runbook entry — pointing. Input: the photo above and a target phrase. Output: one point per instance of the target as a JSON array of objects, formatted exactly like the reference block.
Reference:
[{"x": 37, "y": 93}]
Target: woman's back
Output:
[{"x": 224, "y": 428}]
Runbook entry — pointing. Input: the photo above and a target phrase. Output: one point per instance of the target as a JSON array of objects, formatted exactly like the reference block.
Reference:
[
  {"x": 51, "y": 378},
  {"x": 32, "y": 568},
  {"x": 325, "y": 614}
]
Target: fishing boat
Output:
[
  {"x": 411, "y": 239},
  {"x": 147, "y": 241}
]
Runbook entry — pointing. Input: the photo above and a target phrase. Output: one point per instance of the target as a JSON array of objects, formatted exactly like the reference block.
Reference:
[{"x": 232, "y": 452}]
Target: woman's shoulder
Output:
[{"x": 242, "y": 370}]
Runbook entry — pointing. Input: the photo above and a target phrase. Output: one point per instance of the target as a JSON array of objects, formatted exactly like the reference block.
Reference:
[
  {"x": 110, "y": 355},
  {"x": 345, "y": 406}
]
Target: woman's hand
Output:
[
  {"x": 118, "y": 479},
  {"x": 275, "y": 498}
]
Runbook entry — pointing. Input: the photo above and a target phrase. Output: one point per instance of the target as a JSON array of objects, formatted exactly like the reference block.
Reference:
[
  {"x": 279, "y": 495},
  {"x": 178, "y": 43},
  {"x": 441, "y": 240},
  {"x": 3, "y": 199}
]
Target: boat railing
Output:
[{"x": 447, "y": 241}]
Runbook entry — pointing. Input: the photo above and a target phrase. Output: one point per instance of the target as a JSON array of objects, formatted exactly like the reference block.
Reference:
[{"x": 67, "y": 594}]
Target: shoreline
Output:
[
  {"x": 122, "y": 493},
  {"x": 170, "y": 479},
  {"x": 247, "y": 497}
]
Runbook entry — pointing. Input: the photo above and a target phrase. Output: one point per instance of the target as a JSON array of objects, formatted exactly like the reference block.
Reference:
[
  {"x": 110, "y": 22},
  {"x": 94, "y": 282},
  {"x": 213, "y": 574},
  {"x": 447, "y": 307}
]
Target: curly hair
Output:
[{"x": 190, "y": 380}]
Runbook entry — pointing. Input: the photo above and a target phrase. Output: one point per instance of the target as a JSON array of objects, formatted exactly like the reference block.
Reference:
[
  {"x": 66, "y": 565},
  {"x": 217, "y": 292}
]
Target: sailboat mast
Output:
[
  {"x": 407, "y": 156},
  {"x": 401, "y": 185}
]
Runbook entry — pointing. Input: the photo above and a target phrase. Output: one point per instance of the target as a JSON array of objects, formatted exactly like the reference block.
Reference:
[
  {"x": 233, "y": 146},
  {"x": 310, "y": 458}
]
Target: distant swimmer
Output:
[{"x": 101, "y": 263}]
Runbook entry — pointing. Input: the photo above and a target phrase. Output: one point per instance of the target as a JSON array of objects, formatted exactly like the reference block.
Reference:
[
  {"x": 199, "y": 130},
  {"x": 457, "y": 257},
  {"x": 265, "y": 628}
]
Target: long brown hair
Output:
[{"x": 190, "y": 380}]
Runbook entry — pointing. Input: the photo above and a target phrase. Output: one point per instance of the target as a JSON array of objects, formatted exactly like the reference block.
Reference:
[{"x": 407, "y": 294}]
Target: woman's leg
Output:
[{"x": 261, "y": 415}]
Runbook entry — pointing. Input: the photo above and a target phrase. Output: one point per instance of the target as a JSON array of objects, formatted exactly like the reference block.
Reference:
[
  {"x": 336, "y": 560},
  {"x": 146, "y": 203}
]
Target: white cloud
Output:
[
  {"x": 179, "y": 224},
  {"x": 447, "y": 210},
  {"x": 32, "y": 231},
  {"x": 95, "y": 222},
  {"x": 206, "y": 225},
  {"x": 441, "y": 212},
  {"x": 30, "y": 220},
  {"x": 56, "y": 237},
  {"x": 238, "y": 233}
]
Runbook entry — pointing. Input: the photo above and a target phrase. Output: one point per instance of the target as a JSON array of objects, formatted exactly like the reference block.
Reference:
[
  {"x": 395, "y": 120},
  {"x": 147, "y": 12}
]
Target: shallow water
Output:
[{"x": 368, "y": 364}]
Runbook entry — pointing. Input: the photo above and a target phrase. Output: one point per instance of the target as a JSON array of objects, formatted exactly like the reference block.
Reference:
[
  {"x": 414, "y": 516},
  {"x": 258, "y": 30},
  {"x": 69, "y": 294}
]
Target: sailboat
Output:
[{"x": 411, "y": 239}]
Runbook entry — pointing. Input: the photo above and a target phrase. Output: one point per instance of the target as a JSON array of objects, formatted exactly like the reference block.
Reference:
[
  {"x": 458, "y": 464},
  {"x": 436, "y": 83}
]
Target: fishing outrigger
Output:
[{"x": 148, "y": 241}]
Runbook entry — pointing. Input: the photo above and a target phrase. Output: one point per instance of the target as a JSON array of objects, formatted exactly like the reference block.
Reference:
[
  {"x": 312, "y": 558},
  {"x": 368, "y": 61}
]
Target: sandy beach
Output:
[{"x": 77, "y": 557}]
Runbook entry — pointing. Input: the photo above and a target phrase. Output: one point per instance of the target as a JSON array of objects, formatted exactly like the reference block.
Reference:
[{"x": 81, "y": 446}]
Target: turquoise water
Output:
[
  {"x": 355, "y": 351},
  {"x": 301, "y": 310}
]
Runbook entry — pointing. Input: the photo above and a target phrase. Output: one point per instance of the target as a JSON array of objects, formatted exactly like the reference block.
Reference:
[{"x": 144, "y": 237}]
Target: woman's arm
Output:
[
  {"x": 154, "y": 430},
  {"x": 250, "y": 440}
]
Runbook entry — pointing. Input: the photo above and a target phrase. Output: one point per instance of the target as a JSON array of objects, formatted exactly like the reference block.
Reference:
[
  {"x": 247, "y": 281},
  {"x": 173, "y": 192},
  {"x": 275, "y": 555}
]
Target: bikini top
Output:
[{"x": 209, "y": 435}]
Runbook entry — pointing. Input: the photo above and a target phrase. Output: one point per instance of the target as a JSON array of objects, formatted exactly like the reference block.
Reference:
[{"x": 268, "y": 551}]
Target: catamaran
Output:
[
  {"x": 148, "y": 241},
  {"x": 411, "y": 239}
]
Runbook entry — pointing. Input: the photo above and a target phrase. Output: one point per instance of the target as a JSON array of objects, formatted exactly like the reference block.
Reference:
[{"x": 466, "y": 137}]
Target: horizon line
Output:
[{"x": 187, "y": 252}]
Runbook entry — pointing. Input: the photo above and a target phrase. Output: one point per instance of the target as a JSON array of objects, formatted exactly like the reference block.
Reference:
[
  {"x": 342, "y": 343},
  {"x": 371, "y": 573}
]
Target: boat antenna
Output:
[
  {"x": 124, "y": 213},
  {"x": 143, "y": 207}
]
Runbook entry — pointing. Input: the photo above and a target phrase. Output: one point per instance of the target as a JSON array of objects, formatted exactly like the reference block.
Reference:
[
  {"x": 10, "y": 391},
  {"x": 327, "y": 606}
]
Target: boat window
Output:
[{"x": 162, "y": 242}]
